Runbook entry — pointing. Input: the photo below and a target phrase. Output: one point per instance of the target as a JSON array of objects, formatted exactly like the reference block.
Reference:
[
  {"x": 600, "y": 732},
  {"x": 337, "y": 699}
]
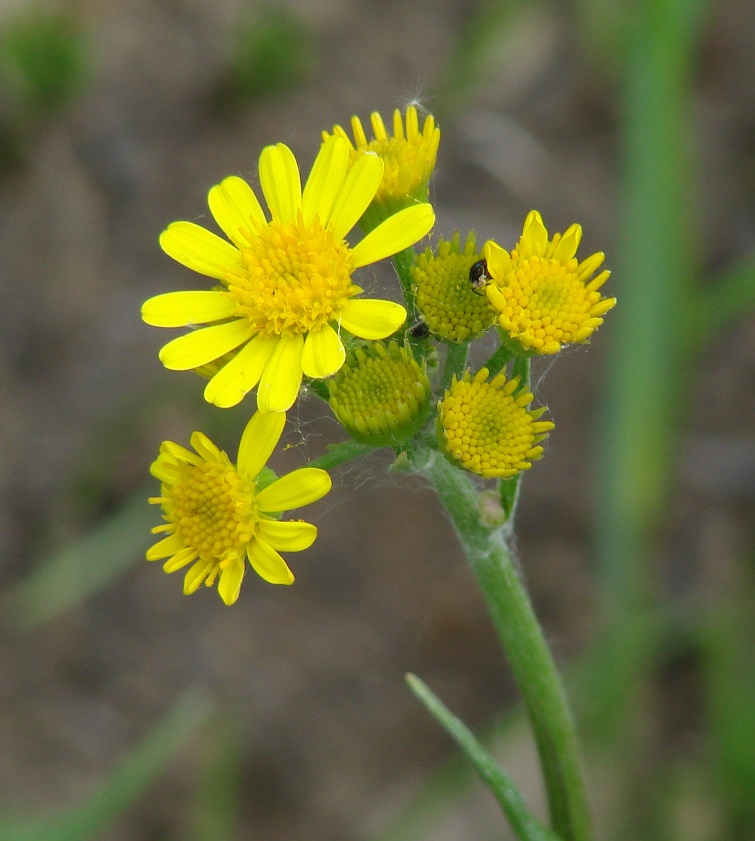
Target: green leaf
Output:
[
  {"x": 123, "y": 787},
  {"x": 525, "y": 825}
]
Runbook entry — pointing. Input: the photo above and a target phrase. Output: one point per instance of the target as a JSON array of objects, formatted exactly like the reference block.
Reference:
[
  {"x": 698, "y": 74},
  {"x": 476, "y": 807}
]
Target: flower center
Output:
[
  {"x": 214, "y": 511},
  {"x": 545, "y": 301},
  {"x": 295, "y": 277},
  {"x": 487, "y": 428}
]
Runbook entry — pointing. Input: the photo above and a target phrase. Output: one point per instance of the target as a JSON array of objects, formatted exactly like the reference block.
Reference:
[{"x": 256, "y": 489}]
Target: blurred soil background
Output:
[{"x": 130, "y": 112}]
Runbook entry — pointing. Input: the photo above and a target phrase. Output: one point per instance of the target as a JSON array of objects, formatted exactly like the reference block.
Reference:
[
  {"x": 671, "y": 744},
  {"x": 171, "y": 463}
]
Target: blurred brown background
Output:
[{"x": 309, "y": 679}]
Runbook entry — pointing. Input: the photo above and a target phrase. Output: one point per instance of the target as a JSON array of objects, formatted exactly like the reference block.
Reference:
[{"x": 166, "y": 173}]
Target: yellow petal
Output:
[
  {"x": 196, "y": 576},
  {"x": 231, "y": 577},
  {"x": 259, "y": 439},
  {"x": 268, "y": 564},
  {"x": 325, "y": 180},
  {"x": 357, "y": 192},
  {"x": 239, "y": 376},
  {"x": 180, "y": 559},
  {"x": 179, "y": 309},
  {"x": 372, "y": 319},
  {"x": 292, "y": 536},
  {"x": 206, "y": 449},
  {"x": 281, "y": 380},
  {"x": 280, "y": 181},
  {"x": 301, "y": 487},
  {"x": 395, "y": 234},
  {"x": 568, "y": 244},
  {"x": 498, "y": 260},
  {"x": 535, "y": 234},
  {"x": 323, "y": 354},
  {"x": 205, "y": 345},
  {"x": 235, "y": 208},
  {"x": 199, "y": 249},
  {"x": 167, "y": 547}
]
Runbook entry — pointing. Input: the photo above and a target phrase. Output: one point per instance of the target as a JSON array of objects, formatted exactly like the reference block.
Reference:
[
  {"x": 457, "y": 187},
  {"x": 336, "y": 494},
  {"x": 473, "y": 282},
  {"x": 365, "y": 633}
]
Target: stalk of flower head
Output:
[{"x": 286, "y": 316}]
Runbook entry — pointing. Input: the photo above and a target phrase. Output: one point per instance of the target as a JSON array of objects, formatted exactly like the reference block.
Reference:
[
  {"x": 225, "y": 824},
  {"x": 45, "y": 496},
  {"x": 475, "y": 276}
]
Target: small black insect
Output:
[
  {"x": 478, "y": 276},
  {"x": 419, "y": 331}
]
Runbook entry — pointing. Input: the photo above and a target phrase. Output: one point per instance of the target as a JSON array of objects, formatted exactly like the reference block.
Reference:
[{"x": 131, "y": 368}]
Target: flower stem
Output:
[{"x": 524, "y": 644}]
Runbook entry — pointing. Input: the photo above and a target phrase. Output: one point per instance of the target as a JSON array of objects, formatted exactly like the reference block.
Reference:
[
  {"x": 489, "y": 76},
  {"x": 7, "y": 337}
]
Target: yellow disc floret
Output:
[
  {"x": 544, "y": 297},
  {"x": 449, "y": 305},
  {"x": 293, "y": 278},
  {"x": 486, "y": 428},
  {"x": 381, "y": 396}
]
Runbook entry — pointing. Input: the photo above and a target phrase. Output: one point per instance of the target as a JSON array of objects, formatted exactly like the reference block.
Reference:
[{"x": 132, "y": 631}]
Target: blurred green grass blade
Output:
[
  {"x": 729, "y": 672},
  {"x": 124, "y": 785},
  {"x": 67, "y": 578},
  {"x": 217, "y": 800},
  {"x": 526, "y": 827},
  {"x": 730, "y": 298}
]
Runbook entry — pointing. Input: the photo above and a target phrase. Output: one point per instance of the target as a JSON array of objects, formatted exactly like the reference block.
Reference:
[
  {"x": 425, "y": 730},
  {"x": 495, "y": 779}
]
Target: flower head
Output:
[
  {"x": 486, "y": 428},
  {"x": 409, "y": 157},
  {"x": 218, "y": 514},
  {"x": 286, "y": 289},
  {"x": 544, "y": 297},
  {"x": 449, "y": 305},
  {"x": 381, "y": 396}
]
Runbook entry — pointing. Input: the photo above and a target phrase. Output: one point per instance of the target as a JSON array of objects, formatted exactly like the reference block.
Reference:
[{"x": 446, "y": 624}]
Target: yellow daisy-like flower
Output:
[
  {"x": 218, "y": 514},
  {"x": 444, "y": 295},
  {"x": 487, "y": 427},
  {"x": 544, "y": 297},
  {"x": 381, "y": 396},
  {"x": 409, "y": 155},
  {"x": 287, "y": 291}
]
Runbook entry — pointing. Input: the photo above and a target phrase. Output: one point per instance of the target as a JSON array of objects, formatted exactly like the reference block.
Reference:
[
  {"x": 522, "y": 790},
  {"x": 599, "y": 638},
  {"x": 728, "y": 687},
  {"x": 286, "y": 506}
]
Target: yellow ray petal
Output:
[
  {"x": 292, "y": 536},
  {"x": 323, "y": 354},
  {"x": 280, "y": 181},
  {"x": 236, "y": 208},
  {"x": 205, "y": 345},
  {"x": 568, "y": 244},
  {"x": 498, "y": 259},
  {"x": 357, "y": 192},
  {"x": 268, "y": 564},
  {"x": 372, "y": 319},
  {"x": 395, "y": 234},
  {"x": 179, "y": 309},
  {"x": 199, "y": 249},
  {"x": 239, "y": 376},
  {"x": 206, "y": 449},
  {"x": 260, "y": 438},
  {"x": 325, "y": 180},
  {"x": 281, "y": 379},
  {"x": 300, "y": 487},
  {"x": 180, "y": 559},
  {"x": 196, "y": 576},
  {"x": 166, "y": 548},
  {"x": 231, "y": 577}
]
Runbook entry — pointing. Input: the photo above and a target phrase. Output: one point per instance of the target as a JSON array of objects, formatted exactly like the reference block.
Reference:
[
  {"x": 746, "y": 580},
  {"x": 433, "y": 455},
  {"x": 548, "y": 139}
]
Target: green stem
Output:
[
  {"x": 456, "y": 360},
  {"x": 524, "y": 644},
  {"x": 403, "y": 261}
]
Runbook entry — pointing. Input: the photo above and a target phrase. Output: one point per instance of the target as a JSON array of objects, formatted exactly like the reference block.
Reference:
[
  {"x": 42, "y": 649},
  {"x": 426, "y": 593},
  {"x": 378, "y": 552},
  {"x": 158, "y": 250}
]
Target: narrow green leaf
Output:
[
  {"x": 525, "y": 826},
  {"x": 124, "y": 785}
]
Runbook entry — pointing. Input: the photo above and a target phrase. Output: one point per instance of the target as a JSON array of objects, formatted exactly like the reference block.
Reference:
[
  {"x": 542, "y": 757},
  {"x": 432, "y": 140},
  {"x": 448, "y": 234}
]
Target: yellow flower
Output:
[
  {"x": 544, "y": 297},
  {"x": 217, "y": 513},
  {"x": 445, "y": 297},
  {"x": 381, "y": 396},
  {"x": 287, "y": 291},
  {"x": 486, "y": 427},
  {"x": 409, "y": 156}
]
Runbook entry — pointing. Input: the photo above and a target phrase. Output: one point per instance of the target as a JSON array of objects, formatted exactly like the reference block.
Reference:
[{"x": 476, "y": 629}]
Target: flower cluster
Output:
[{"x": 284, "y": 310}]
